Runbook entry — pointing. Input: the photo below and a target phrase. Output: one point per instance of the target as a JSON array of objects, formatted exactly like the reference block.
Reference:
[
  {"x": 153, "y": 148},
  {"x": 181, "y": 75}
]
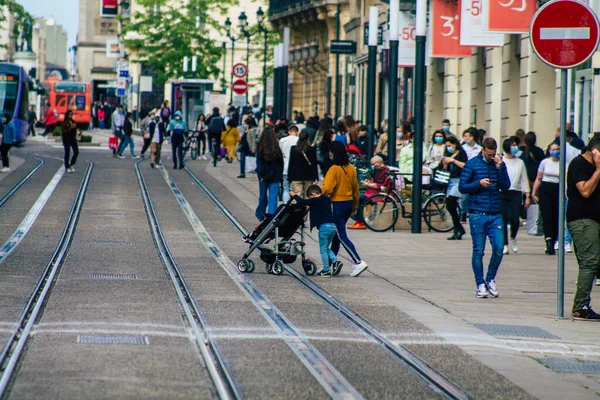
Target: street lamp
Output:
[
  {"x": 371, "y": 78},
  {"x": 393, "y": 81},
  {"x": 243, "y": 25},
  {"x": 260, "y": 17},
  {"x": 233, "y": 39}
]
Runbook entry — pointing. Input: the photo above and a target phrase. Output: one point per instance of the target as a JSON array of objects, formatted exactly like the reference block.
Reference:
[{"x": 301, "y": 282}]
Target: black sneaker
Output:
[
  {"x": 325, "y": 274},
  {"x": 586, "y": 314},
  {"x": 337, "y": 267}
]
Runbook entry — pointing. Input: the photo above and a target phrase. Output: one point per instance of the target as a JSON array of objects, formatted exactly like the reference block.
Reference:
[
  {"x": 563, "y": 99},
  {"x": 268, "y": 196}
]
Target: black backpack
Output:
[{"x": 216, "y": 125}]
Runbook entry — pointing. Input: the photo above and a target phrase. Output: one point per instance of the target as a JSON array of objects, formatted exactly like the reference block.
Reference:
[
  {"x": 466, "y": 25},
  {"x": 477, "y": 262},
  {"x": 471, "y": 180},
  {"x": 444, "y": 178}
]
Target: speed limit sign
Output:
[{"x": 240, "y": 70}]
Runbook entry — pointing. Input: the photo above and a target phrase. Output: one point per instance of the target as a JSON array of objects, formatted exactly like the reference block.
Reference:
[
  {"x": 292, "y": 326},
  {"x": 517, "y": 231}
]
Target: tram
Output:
[{"x": 14, "y": 97}]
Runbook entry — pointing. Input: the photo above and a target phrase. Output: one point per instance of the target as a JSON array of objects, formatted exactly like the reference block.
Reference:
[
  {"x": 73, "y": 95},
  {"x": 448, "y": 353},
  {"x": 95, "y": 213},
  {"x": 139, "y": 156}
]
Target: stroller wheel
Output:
[
  {"x": 251, "y": 266},
  {"x": 269, "y": 268},
  {"x": 278, "y": 267},
  {"x": 244, "y": 265},
  {"x": 309, "y": 267}
]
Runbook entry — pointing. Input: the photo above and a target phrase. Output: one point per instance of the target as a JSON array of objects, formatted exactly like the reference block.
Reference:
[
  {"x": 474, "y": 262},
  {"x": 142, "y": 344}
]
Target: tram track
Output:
[
  {"x": 14, "y": 349},
  {"x": 437, "y": 381},
  {"x": 9, "y": 195},
  {"x": 223, "y": 382}
]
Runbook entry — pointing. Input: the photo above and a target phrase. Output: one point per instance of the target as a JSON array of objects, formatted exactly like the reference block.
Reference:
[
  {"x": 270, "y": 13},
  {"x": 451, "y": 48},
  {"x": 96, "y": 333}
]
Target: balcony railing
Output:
[{"x": 284, "y": 6}]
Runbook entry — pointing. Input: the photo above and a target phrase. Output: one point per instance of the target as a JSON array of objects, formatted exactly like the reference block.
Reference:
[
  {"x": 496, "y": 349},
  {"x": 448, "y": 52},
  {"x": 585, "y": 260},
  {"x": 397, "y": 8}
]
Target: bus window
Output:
[
  {"x": 8, "y": 93},
  {"x": 65, "y": 86}
]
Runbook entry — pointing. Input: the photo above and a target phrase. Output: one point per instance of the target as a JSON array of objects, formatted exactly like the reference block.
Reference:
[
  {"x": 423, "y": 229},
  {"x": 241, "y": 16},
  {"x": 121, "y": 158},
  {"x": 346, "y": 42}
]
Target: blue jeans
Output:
[
  {"x": 268, "y": 192},
  {"x": 177, "y": 150},
  {"x": 243, "y": 163},
  {"x": 286, "y": 188},
  {"x": 358, "y": 216},
  {"x": 126, "y": 140},
  {"x": 483, "y": 226},
  {"x": 326, "y": 234},
  {"x": 342, "y": 210}
]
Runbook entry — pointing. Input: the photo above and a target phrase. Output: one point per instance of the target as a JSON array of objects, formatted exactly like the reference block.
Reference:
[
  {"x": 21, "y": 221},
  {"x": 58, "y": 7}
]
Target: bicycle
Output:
[
  {"x": 191, "y": 144},
  {"x": 381, "y": 211}
]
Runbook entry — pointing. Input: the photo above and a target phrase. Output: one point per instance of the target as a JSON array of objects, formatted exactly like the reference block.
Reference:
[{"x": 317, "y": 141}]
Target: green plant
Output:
[
  {"x": 85, "y": 139},
  {"x": 57, "y": 131}
]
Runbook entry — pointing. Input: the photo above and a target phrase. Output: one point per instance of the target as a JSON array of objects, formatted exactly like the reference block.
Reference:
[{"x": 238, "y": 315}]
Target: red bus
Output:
[{"x": 70, "y": 95}]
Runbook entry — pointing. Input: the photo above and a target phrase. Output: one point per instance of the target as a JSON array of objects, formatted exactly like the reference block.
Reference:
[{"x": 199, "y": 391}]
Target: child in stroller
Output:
[{"x": 274, "y": 239}]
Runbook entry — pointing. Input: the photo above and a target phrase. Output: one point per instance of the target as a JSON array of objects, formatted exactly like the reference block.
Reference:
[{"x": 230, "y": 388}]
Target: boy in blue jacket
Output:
[
  {"x": 483, "y": 178},
  {"x": 9, "y": 138},
  {"x": 321, "y": 217}
]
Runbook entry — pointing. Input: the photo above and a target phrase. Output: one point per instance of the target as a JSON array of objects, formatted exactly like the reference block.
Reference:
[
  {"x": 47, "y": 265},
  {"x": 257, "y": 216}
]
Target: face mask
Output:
[
  {"x": 445, "y": 128},
  {"x": 373, "y": 168},
  {"x": 514, "y": 150},
  {"x": 4, "y": 121},
  {"x": 438, "y": 140},
  {"x": 450, "y": 149},
  {"x": 555, "y": 153},
  {"x": 178, "y": 118},
  {"x": 399, "y": 135}
]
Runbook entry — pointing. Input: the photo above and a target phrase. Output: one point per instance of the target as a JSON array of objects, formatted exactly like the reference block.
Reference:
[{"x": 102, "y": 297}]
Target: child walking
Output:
[{"x": 321, "y": 217}]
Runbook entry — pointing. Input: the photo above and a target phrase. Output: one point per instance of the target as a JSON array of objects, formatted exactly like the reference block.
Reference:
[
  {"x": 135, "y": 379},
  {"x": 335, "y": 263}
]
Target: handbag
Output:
[
  {"x": 250, "y": 164},
  {"x": 113, "y": 142},
  {"x": 532, "y": 220},
  {"x": 442, "y": 176}
]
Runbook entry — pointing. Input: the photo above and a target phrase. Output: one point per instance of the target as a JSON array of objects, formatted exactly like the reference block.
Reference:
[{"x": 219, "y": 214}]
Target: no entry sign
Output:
[
  {"x": 564, "y": 33},
  {"x": 239, "y": 86}
]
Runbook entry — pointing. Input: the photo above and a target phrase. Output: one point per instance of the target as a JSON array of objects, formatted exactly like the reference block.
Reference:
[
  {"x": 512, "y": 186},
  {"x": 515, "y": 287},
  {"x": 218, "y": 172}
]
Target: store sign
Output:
[
  {"x": 471, "y": 33},
  {"x": 406, "y": 39},
  {"x": 342, "y": 47},
  {"x": 114, "y": 49},
  {"x": 445, "y": 30},
  {"x": 109, "y": 8},
  {"x": 379, "y": 35},
  {"x": 507, "y": 16}
]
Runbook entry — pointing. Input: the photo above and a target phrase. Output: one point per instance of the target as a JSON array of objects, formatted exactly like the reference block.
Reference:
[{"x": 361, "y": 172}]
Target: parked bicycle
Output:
[
  {"x": 381, "y": 211},
  {"x": 192, "y": 144}
]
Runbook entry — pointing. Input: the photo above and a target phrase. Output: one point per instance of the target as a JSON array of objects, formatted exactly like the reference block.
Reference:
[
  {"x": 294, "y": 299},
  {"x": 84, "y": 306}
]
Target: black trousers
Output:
[
  {"x": 511, "y": 210},
  {"x": 177, "y": 149},
  {"x": 31, "y": 130},
  {"x": 68, "y": 144},
  {"x": 548, "y": 196},
  {"x": 202, "y": 143},
  {"x": 4, "y": 148},
  {"x": 146, "y": 145},
  {"x": 452, "y": 206}
]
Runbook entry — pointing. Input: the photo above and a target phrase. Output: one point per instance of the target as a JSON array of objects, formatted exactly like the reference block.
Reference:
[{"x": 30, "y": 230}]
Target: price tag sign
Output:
[
  {"x": 471, "y": 33},
  {"x": 406, "y": 39},
  {"x": 445, "y": 27}
]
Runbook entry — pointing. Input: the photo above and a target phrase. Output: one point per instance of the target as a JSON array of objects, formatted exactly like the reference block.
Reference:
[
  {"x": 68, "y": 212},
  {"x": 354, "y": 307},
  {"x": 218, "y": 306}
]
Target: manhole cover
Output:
[
  {"x": 516, "y": 330},
  {"x": 101, "y": 339},
  {"x": 115, "y": 243},
  {"x": 113, "y": 276},
  {"x": 572, "y": 366}
]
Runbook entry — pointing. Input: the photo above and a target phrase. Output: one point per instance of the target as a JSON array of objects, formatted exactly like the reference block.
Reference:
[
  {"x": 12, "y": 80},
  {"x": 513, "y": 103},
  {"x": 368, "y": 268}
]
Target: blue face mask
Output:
[
  {"x": 514, "y": 150},
  {"x": 445, "y": 128},
  {"x": 450, "y": 149},
  {"x": 555, "y": 153},
  {"x": 399, "y": 135},
  {"x": 4, "y": 121},
  {"x": 438, "y": 140}
]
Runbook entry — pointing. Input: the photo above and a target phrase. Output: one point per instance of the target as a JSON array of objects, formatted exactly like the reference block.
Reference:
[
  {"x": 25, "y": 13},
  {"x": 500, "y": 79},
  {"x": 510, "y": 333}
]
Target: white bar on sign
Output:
[{"x": 564, "y": 33}]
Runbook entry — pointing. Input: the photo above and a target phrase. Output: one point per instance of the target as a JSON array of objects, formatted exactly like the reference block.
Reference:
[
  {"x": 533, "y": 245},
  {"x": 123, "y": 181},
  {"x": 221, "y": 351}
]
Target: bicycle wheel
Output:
[
  {"x": 380, "y": 212},
  {"x": 436, "y": 214},
  {"x": 194, "y": 148}
]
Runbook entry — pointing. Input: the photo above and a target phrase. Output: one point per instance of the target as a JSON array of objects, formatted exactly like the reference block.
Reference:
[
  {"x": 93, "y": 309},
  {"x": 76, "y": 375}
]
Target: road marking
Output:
[
  {"x": 334, "y": 383},
  {"x": 564, "y": 33},
  {"x": 30, "y": 218}
]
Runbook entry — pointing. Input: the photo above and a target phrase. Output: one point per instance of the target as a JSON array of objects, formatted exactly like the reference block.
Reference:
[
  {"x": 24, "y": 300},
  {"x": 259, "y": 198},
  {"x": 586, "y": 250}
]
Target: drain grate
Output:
[
  {"x": 571, "y": 366},
  {"x": 111, "y": 228},
  {"x": 115, "y": 243},
  {"x": 111, "y": 214},
  {"x": 516, "y": 330},
  {"x": 102, "y": 339},
  {"x": 113, "y": 276}
]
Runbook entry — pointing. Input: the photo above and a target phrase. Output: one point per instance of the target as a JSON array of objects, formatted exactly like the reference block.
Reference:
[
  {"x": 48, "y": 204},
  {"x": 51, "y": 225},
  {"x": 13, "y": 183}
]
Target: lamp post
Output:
[
  {"x": 243, "y": 25},
  {"x": 260, "y": 16},
  {"x": 371, "y": 77},
  {"x": 393, "y": 81},
  {"x": 233, "y": 39},
  {"x": 419, "y": 112}
]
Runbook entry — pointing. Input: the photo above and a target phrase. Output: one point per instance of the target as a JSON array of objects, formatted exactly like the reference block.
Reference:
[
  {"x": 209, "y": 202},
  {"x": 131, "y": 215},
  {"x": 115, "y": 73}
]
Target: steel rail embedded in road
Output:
[
  {"x": 13, "y": 350},
  {"x": 433, "y": 378},
  {"x": 330, "y": 379},
  {"x": 212, "y": 358},
  {"x": 6, "y": 198}
]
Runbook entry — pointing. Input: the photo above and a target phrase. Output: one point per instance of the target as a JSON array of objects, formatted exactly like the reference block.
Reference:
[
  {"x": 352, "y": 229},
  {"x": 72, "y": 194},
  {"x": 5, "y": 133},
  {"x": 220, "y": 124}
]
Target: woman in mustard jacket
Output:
[{"x": 230, "y": 139}]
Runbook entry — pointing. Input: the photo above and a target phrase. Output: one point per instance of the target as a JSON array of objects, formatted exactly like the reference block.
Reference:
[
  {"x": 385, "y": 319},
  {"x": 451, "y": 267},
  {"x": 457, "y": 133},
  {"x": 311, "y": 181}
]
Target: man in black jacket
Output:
[
  {"x": 127, "y": 137},
  {"x": 216, "y": 126}
]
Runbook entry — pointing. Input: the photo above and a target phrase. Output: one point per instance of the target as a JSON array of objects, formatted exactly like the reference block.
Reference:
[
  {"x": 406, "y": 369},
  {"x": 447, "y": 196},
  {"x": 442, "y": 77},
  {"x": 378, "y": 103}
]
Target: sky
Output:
[{"x": 67, "y": 14}]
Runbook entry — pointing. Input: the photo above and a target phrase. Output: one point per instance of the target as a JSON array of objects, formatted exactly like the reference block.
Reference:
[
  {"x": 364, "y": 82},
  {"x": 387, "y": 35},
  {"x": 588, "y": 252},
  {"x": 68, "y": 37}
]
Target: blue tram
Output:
[{"x": 14, "y": 97}]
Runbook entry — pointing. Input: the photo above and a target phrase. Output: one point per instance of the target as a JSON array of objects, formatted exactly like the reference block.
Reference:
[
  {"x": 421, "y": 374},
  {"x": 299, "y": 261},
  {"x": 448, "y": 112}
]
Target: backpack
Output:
[
  {"x": 216, "y": 126},
  {"x": 165, "y": 112}
]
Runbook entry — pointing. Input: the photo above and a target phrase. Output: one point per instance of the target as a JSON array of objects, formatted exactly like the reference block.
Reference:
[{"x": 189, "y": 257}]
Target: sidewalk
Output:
[{"x": 431, "y": 279}]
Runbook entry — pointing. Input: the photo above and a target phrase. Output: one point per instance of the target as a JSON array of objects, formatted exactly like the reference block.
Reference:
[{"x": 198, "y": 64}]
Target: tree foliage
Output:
[
  {"x": 165, "y": 32},
  {"x": 258, "y": 42},
  {"x": 8, "y": 7}
]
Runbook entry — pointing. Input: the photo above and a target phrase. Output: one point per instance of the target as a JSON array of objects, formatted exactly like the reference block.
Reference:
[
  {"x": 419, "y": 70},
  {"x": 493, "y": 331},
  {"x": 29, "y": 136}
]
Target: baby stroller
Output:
[{"x": 274, "y": 239}]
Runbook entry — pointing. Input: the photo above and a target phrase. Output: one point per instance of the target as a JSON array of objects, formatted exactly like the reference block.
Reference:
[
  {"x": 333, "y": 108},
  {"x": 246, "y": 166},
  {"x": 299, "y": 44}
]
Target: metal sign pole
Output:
[{"x": 560, "y": 281}]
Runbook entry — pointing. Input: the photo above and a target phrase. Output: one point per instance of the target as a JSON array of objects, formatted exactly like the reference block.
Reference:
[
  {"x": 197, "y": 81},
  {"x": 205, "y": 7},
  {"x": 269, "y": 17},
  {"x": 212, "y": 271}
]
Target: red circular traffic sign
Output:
[
  {"x": 240, "y": 70},
  {"x": 240, "y": 86},
  {"x": 564, "y": 33}
]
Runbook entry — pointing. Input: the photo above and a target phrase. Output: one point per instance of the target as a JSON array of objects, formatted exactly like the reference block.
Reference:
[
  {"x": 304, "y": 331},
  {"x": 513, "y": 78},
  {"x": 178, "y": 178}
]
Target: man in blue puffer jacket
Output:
[
  {"x": 483, "y": 178},
  {"x": 176, "y": 134}
]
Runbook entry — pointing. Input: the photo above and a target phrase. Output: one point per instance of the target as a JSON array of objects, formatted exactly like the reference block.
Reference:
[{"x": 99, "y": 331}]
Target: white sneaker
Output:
[
  {"x": 134, "y": 157},
  {"x": 492, "y": 288},
  {"x": 568, "y": 248},
  {"x": 597, "y": 282},
  {"x": 359, "y": 268},
  {"x": 513, "y": 245},
  {"x": 70, "y": 169},
  {"x": 505, "y": 250},
  {"x": 482, "y": 291},
  {"x": 555, "y": 245},
  {"x": 5, "y": 169},
  {"x": 121, "y": 157}
]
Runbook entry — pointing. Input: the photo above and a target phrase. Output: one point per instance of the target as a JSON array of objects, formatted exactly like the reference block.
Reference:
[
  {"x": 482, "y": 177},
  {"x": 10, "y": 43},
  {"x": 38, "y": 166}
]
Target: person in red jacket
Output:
[{"x": 50, "y": 120}]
